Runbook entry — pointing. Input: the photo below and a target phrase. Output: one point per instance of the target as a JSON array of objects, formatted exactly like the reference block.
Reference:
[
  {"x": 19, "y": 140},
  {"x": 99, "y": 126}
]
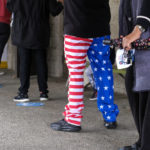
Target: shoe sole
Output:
[
  {"x": 64, "y": 129},
  {"x": 43, "y": 99},
  {"x": 107, "y": 127},
  {"x": 93, "y": 99},
  {"x": 22, "y": 100}
]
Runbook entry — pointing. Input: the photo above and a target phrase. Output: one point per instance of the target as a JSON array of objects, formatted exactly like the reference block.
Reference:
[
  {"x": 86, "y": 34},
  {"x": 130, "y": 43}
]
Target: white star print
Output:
[
  {"x": 95, "y": 45},
  {"x": 101, "y": 107},
  {"x": 100, "y": 78},
  {"x": 109, "y": 69},
  {"x": 93, "y": 52},
  {"x": 108, "y": 117},
  {"x": 91, "y": 60},
  {"x": 113, "y": 87},
  {"x": 95, "y": 69},
  {"x": 110, "y": 97},
  {"x": 100, "y": 53},
  {"x": 96, "y": 61},
  {"x": 109, "y": 77},
  {"x": 103, "y": 69},
  {"x": 98, "y": 88},
  {"x": 109, "y": 106},
  {"x": 102, "y": 98},
  {"x": 104, "y": 61},
  {"x": 105, "y": 88},
  {"x": 105, "y": 112}
]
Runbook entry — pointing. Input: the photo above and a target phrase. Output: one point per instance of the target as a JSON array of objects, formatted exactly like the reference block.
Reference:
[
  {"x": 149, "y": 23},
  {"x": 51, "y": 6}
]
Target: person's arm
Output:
[
  {"x": 142, "y": 23},
  {"x": 143, "y": 18},
  {"x": 10, "y": 5},
  {"x": 55, "y": 7}
]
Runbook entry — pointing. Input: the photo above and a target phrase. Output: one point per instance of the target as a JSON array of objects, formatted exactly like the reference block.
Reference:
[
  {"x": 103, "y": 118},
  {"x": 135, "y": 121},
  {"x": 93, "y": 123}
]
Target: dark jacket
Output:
[
  {"x": 143, "y": 18},
  {"x": 125, "y": 17},
  {"x": 87, "y": 18},
  {"x": 31, "y": 28}
]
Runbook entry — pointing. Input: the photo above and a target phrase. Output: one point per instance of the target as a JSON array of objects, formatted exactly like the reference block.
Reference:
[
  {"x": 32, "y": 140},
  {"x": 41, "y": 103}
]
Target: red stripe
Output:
[
  {"x": 76, "y": 57},
  {"x": 76, "y": 106},
  {"x": 75, "y": 93},
  {"x": 76, "y": 86},
  {"x": 77, "y": 62},
  {"x": 77, "y": 79},
  {"x": 75, "y": 100},
  {"x": 78, "y": 38},
  {"x": 77, "y": 44},
  {"x": 76, "y": 50},
  {"x": 82, "y": 67},
  {"x": 76, "y": 73}
]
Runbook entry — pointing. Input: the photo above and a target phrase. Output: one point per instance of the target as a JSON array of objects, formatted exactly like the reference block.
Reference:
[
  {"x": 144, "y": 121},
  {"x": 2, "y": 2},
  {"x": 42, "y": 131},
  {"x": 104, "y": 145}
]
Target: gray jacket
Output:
[{"x": 142, "y": 57}]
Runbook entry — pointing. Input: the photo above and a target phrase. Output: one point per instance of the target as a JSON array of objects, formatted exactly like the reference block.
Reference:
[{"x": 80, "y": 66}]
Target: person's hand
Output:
[
  {"x": 127, "y": 40},
  {"x": 62, "y": 1}
]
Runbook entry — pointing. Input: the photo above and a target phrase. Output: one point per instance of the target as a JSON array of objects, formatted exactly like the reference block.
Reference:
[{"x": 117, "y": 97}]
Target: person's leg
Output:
[
  {"x": 42, "y": 72},
  {"x": 145, "y": 120},
  {"x": 89, "y": 74},
  {"x": 4, "y": 36},
  {"x": 102, "y": 68},
  {"x": 133, "y": 98},
  {"x": 75, "y": 52},
  {"x": 25, "y": 56}
]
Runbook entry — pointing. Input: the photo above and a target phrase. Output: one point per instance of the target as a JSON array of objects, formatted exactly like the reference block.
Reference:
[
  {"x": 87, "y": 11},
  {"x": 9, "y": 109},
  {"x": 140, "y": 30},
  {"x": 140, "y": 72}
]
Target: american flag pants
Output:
[{"x": 76, "y": 50}]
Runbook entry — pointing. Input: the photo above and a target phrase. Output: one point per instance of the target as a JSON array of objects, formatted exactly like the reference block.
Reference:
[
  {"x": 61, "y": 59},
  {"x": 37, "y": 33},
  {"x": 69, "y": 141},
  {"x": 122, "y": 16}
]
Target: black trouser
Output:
[
  {"x": 4, "y": 36},
  {"x": 26, "y": 56},
  {"x": 140, "y": 107}
]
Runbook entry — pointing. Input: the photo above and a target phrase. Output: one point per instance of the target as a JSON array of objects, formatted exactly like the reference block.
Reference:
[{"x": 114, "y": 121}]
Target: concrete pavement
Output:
[{"x": 27, "y": 128}]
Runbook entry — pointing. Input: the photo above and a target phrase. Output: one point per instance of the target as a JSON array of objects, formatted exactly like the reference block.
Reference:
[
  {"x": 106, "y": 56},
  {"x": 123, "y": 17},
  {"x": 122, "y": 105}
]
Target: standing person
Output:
[
  {"x": 5, "y": 16},
  {"x": 86, "y": 25},
  {"x": 137, "y": 77},
  {"x": 31, "y": 33}
]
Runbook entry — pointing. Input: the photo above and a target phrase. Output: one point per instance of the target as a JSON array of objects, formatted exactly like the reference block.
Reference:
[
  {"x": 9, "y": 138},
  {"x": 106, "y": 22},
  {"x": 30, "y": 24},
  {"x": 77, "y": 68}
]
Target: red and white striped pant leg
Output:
[{"x": 75, "y": 51}]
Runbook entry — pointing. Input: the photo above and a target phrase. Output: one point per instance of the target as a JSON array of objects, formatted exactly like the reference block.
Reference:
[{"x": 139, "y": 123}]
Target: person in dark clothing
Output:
[
  {"x": 31, "y": 33},
  {"x": 86, "y": 25},
  {"x": 4, "y": 26},
  {"x": 137, "y": 76}
]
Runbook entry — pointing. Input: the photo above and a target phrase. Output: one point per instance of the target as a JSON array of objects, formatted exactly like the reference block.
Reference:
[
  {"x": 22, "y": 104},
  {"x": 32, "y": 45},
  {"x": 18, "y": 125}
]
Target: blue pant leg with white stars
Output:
[{"x": 102, "y": 69}]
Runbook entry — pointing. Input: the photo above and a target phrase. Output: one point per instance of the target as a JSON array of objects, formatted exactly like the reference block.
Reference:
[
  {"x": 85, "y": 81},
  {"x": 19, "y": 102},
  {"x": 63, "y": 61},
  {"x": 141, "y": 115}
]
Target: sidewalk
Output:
[{"x": 27, "y": 128}]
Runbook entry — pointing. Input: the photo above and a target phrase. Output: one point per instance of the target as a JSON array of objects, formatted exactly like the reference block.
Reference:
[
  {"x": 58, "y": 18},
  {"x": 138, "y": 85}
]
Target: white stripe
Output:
[
  {"x": 76, "y": 83},
  {"x": 76, "y": 90},
  {"x": 144, "y": 17},
  {"x": 75, "y": 111},
  {"x": 75, "y": 119},
  {"x": 76, "y": 70},
  {"x": 77, "y": 76},
  {"x": 76, "y": 65},
  {"x": 77, "y": 47},
  {"x": 76, "y": 54},
  {"x": 74, "y": 59},
  {"x": 76, "y": 41},
  {"x": 76, "y": 96},
  {"x": 75, "y": 103}
]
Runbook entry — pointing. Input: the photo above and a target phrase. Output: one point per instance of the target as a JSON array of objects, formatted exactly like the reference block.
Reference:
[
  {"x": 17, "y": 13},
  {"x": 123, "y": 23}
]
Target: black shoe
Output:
[
  {"x": 132, "y": 147},
  {"x": 62, "y": 125},
  {"x": 94, "y": 96},
  {"x": 21, "y": 97},
  {"x": 43, "y": 97},
  {"x": 110, "y": 125}
]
